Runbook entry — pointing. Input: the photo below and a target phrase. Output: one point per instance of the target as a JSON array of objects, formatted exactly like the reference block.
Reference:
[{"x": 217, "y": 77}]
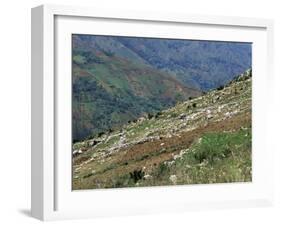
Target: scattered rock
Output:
[
  {"x": 182, "y": 116},
  {"x": 173, "y": 178},
  {"x": 141, "y": 119},
  {"x": 147, "y": 177},
  {"x": 94, "y": 142}
]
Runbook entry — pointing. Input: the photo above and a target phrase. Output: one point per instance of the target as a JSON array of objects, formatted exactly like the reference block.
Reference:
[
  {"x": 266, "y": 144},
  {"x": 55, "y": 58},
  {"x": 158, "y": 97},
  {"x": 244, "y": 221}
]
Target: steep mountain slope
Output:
[
  {"x": 203, "y": 140},
  {"x": 109, "y": 91},
  {"x": 201, "y": 64}
]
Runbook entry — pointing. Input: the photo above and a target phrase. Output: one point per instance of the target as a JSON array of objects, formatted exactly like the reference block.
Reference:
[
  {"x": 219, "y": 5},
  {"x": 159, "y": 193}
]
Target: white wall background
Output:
[{"x": 15, "y": 111}]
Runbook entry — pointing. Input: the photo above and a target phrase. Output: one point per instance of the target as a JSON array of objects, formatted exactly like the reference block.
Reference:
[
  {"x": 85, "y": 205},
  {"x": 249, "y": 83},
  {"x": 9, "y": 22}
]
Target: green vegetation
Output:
[
  {"x": 119, "y": 79},
  {"x": 109, "y": 91},
  {"x": 209, "y": 143},
  {"x": 218, "y": 145},
  {"x": 202, "y": 64},
  {"x": 215, "y": 158}
]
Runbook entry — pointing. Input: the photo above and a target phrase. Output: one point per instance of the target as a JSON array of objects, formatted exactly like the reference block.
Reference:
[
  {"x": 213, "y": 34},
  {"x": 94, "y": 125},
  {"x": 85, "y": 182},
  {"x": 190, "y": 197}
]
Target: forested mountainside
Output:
[
  {"x": 109, "y": 91},
  {"x": 201, "y": 64}
]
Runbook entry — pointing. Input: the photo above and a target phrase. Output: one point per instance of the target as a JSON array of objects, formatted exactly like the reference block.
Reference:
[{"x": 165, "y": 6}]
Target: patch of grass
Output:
[
  {"x": 141, "y": 128},
  {"x": 174, "y": 115},
  {"x": 214, "y": 146},
  {"x": 110, "y": 142},
  {"x": 123, "y": 181},
  {"x": 161, "y": 170},
  {"x": 216, "y": 158}
]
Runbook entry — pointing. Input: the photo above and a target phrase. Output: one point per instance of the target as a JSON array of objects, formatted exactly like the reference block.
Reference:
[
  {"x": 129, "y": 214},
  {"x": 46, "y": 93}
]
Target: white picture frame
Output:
[{"x": 52, "y": 197}]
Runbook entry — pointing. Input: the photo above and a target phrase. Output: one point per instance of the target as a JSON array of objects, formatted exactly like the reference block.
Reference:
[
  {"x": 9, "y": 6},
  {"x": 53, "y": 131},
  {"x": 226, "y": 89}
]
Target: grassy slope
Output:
[{"x": 204, "y": 140}]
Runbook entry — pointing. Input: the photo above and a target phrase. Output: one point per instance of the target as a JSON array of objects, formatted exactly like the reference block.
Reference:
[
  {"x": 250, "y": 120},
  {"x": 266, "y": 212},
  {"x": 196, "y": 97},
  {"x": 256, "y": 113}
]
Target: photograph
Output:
[{"x": 150, "y": 111}]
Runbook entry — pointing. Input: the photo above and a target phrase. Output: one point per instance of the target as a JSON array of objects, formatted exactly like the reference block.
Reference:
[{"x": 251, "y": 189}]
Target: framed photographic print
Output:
[{"x": 137, "y": 112}]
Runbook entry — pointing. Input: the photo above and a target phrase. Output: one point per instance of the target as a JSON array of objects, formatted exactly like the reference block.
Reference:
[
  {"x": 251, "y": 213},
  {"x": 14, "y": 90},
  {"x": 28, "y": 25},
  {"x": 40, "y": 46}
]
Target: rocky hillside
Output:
[{"x": 203, "y": 140}]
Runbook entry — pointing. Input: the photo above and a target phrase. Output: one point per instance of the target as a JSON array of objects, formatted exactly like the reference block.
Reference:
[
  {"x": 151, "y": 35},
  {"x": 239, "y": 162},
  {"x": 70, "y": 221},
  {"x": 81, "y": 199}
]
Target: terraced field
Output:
[{"x": 203, "y": 140}]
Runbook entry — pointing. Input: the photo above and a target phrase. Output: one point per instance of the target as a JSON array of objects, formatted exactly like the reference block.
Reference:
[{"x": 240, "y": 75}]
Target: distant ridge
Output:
[{"x": 201, "y": 64}]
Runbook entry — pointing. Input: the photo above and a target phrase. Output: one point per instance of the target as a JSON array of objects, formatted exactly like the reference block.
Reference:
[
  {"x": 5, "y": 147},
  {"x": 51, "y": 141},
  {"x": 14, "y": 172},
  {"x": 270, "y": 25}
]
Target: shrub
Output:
[
  {"x": 162, "y": 170},
  {"x": 220, "y": 88},
  {"x": 212, "y": 147},
  {"x": 137, "y": 175},
  {"x": 158, "y": 114},
  {"x": 250, "y": 73},
  {"x": 150, "y": 115},
  {"x": 100, "y": 134}
]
